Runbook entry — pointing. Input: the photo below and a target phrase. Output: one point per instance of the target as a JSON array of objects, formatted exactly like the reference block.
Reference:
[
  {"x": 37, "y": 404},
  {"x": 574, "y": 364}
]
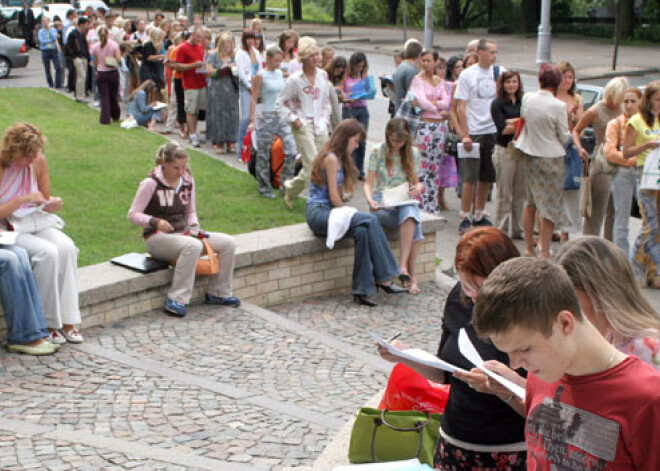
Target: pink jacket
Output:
[{"x": 425, "y": 93}]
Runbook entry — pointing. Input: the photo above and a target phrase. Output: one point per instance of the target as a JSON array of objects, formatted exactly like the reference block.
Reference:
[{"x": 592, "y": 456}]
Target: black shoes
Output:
[
  {"x": 364, "y": 300},
  {"x": 392, "y": 288}
]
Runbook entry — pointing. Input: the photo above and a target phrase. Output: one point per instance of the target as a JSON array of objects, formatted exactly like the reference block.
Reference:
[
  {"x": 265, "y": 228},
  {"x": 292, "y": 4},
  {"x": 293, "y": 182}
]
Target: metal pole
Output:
[
  {"x": 405, "y": 23},
  {"x": 543, "y": 46},
  {"x": 617, "y": 34},
  {"x": 288, "y": 13},
  {"x": 341, "y": 12},
  {"x": 428, "y": 24},
  {"x": 190, "y": 10}
]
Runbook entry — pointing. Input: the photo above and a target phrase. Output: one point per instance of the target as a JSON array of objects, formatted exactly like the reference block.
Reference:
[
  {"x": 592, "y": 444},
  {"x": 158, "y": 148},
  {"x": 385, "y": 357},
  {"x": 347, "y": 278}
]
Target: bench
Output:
[
  {"x": 272, "y": 266},
  {"x": 273, "y": 14}
]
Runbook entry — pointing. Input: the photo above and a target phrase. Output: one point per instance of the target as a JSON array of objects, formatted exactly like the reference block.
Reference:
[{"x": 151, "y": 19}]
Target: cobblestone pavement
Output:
[{"x": 222, "y": 389}]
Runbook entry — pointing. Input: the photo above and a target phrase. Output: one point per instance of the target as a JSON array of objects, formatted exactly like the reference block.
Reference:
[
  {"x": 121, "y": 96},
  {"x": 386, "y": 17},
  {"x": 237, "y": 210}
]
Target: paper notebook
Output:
[
  {"x": 471, "y": 154},
  {"x": 417, "y": 355}
]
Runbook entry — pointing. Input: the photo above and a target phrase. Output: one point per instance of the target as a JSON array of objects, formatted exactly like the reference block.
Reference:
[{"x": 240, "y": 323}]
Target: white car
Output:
[
  {"x": 51, "y": 10},
  {"x": 84, "y": 4}
]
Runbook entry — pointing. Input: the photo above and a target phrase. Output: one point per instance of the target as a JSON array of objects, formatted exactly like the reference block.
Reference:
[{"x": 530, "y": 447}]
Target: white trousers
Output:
[{"x": 54, "y": 260}]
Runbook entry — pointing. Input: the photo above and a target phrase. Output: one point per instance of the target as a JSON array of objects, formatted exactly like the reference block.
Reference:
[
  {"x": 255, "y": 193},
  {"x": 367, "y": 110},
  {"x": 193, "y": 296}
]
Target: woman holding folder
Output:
[
  {"x": 394, "y": 163},
  {"x": 477, "y": 430}
]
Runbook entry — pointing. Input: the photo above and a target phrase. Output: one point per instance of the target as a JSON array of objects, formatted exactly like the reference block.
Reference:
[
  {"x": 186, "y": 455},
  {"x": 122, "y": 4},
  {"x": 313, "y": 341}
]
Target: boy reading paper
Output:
[{"x": 589, "y": 406}]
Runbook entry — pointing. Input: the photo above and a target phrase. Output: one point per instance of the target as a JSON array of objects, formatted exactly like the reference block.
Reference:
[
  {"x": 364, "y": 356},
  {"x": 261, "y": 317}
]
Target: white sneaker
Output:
[
  {"x": 73, "y": 335},
  {"x": 56, "y": 338},
  {"x": 96, "y": 104},
  {"x": 194, "y": 140}
]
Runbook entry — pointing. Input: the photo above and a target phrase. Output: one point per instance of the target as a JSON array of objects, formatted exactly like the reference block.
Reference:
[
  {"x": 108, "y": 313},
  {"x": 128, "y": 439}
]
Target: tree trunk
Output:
[
  {"x": 262, "y": 5},
  {"x": 530, "y": 15},
  {"x": 627, "y": 18},
  {"x": 392, "y": 7},
  {"x": 452, "y": 14},
  {"x": 296, "y": 7}
]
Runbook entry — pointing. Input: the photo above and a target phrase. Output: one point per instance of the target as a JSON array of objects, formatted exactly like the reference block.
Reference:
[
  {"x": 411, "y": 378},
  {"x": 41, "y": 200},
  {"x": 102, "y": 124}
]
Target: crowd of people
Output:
[{"x": 567, "y": 327}]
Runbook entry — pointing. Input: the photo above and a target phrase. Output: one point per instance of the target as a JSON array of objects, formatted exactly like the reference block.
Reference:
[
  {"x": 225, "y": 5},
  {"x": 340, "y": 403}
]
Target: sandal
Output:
[
  {"x": 72, "y": 336},
  {"x": 404, "y": 278}
]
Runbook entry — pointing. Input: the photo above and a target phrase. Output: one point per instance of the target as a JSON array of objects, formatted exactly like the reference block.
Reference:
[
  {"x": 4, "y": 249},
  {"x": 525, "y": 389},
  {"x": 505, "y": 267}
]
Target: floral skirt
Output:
[
  {"x": 449, "y": 457},
  {"x": 544, "y": 180},
  {"x": 437, "y": 169}
]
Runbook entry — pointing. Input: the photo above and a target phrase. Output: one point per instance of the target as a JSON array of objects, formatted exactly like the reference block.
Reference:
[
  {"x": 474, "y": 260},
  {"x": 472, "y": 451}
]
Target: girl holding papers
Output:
[
  {"x": 333, "y": 173},
  {"x": 477, "y": 430},
  {"x": 393, "y": 163}
]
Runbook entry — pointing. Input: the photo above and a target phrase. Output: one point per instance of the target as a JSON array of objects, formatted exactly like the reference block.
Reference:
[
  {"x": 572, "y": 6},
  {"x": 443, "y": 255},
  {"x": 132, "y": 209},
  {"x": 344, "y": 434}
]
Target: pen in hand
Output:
[{"x": 394, "y": 337}]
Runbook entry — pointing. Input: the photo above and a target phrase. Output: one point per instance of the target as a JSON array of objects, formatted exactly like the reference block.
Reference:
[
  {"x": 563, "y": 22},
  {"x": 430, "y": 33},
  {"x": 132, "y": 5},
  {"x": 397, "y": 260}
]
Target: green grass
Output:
[{"x": 96, "y": 170}]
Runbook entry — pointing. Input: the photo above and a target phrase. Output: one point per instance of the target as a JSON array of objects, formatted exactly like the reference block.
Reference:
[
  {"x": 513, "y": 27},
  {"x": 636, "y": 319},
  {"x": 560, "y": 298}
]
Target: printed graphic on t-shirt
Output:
[
  {"x": 166, "y": 197},
  {"x": 486, "y": 87},
  {"x": 563, "y": 437},
  {"x": 653, "y": 132}
]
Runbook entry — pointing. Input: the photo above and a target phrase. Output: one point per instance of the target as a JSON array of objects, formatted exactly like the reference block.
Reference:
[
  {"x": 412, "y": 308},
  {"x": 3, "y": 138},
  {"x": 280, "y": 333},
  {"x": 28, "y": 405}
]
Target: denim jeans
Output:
[
  {"x": 20, "y": 298},
  {"x": 244, "y": 97},
  {"x": 374, "y": 261},
  {"x": 48, "y": 56},
  {"x": 623, "y": 187},
  {"x": 361, "y": 114}
]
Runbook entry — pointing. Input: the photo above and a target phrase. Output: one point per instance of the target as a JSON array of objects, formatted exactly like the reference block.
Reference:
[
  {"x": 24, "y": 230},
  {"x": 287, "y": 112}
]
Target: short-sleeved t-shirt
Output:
[
  {"x": 385, "y": 178},
  {"x": 402, "y": 78},
  {"x": 110, "y": 49},
  {"x": 602, "y": 421},
  {"x": 644, "y": 134},
  {"x": 478, "y": 87},
  {"x": 188, "y": 54}
]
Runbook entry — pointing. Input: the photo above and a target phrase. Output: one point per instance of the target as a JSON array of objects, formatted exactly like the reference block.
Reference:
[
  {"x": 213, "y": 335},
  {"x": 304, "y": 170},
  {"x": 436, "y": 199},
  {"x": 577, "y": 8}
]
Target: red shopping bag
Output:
[
  {"x": 246, "y": 150},
  {"x": 408, "y": 390}
]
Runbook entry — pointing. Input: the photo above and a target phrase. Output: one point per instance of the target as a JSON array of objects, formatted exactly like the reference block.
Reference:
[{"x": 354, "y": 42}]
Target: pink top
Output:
[
  {"x": 349, "y": 83},
  {"x": 426, "y": 94},
  {"x": 111, "y": 48},
  {"x": 17, "y": 180}
]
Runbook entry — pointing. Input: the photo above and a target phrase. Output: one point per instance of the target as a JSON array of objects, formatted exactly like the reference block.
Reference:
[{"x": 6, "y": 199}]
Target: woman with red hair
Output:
[{"x": 477, "y": 430}]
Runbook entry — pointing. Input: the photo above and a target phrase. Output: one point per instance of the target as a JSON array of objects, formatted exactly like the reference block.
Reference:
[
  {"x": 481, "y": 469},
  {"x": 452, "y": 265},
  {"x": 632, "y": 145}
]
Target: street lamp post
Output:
[
  {"x": 428, "y": 24},
  {"x": 190, "y": 10},
  {"x": 543, "y": 46}
]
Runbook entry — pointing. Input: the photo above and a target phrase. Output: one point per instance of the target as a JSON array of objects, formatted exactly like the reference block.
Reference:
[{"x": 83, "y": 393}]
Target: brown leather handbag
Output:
[{"x": 208, "y": 264}]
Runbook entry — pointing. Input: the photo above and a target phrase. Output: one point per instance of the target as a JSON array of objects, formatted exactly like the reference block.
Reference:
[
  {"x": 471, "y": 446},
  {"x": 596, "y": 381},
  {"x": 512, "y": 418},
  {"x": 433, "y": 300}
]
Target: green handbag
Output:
[{"x": 379, "y": 436}]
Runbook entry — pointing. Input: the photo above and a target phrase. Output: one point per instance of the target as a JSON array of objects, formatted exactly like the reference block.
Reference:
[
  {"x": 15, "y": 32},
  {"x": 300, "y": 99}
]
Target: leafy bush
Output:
[{"x": 365, "y": 11}]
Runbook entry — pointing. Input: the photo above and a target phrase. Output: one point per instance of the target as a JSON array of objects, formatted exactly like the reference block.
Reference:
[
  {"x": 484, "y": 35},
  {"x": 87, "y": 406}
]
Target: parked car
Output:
[
  {"x": 51, "y": 10},
  {"x": 13, "y": 53},
  {"x": 84, "y": 4},
  {"x": 10, "y": 25}
]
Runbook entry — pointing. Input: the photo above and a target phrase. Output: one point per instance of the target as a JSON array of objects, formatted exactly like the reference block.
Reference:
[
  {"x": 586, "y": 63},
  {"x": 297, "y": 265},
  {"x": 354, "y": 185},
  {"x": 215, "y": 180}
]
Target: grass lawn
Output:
[{"x": 96, "y": 170}]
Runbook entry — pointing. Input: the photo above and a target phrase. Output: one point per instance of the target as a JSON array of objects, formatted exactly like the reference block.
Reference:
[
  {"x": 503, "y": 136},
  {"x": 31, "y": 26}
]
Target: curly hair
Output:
[{"x": 20, "y": 140}]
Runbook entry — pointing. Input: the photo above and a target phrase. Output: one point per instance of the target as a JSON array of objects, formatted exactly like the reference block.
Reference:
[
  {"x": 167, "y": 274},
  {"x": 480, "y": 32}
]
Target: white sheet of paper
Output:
[
  {"x": 398, "y": 194},
  {"x": 159, "y": 105},
  {"x": 22, "y": 212},
  {"x": 469, "y": 352},
  {"x": 473, "y": 154},
  {"x": 389, "y": 466},
  {"x": 415, "y": 354},
  {"x": 8, "y": 237},
  {"x": 402, "y": 203}
]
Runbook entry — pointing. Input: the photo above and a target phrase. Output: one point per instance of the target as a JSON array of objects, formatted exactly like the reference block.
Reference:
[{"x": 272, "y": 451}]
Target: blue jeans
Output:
[
  {"x": 244, "y": 97},
  {"x": 393, "y": 218},
  {"x": 20, "y": 298},
  {"x": 623, "y": 187},
  {"x": 48, "y": 56},
  {"x": 374, "y": 261},
  {"x": 361, "y": 113}
]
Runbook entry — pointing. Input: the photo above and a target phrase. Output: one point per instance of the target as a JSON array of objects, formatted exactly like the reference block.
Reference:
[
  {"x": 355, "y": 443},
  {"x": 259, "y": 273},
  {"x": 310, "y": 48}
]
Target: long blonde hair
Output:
[
  {"x": 225, "y": 38},
  {"x": 602, "y": 271}
]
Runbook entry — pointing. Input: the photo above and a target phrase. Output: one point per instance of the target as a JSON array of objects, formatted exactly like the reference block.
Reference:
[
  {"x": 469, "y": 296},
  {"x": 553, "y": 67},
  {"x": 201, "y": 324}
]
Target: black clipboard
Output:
[{"x": 139, "y": 262}]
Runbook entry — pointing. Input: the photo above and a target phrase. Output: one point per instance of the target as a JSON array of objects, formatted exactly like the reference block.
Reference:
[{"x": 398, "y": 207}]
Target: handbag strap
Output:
[
  {"x": 419, "y": 427},
  {"x": 207, "y": 248}
]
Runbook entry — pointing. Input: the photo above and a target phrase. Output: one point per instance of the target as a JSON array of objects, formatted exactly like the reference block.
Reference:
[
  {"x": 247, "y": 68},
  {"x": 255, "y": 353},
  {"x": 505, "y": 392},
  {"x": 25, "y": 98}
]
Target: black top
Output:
[
  {"x": 500, "y": 113},
  {"x": 481, "y": 419},
  {"x": 77, "y": 44},
  {"x": 151, "y": 70}
]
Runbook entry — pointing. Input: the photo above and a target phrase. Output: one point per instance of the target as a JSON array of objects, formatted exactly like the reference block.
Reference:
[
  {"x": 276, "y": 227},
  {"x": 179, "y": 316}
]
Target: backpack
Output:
[{"x": 249, "y": 155}]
